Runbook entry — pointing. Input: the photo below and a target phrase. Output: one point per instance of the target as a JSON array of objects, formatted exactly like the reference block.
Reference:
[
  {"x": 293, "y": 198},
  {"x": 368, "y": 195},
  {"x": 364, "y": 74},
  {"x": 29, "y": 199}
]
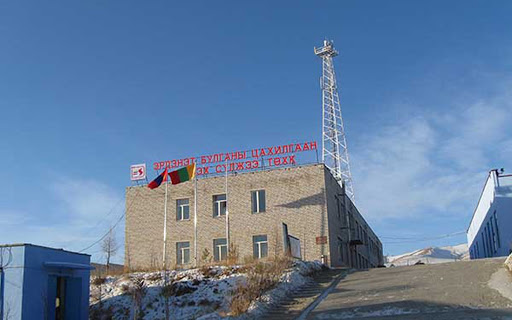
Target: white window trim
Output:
[
  {"x": 219, "y": 248},
  {"x": 181, "y": 212},
  {"x": 183, "y": 255},
  {"x": 218, "y": 205},
  {"x": 182, "y": 251},
  {"x": 257, "y": 192},
  {"x": 259, "y": 243}
]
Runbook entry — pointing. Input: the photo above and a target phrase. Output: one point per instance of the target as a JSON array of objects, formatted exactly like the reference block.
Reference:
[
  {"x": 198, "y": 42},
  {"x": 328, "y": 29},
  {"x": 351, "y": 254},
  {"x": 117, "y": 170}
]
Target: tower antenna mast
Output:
[{"x": 334, "y": 144}]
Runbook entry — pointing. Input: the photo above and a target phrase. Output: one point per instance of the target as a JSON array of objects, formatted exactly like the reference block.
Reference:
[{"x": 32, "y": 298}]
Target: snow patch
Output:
[
  {"x": 203, "y": 293},
  {"x": 508, "y": 263},
  {"x": 431, "y": 255},
  {"x": 290, "y": 281}
]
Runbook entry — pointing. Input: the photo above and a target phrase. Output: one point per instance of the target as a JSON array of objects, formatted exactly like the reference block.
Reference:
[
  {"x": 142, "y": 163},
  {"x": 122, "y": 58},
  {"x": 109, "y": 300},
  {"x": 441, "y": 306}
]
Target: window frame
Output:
[
  {"x": 258, "y": 245},
  {"x": 219, "y": 248},
  {"x": 484, "y": 242},
  {"x": 255, "y": 195},
  {"x": 340, "y": 249},
  {"x": 180, "y": 211},
  {"x": 493, "y": 235},
  {"x": 497, "y": 229},
  {"x": 217, "y": 205},
  {"x": 180, "y": 252},
  {"x": 489, "y": 240}
]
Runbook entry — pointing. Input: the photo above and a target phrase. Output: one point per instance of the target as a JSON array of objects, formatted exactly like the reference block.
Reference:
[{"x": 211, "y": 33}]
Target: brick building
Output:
[{"x": 306, "y": 198}]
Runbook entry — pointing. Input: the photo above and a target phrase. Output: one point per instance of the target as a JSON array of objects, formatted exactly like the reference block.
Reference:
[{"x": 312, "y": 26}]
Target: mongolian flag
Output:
[
  {"x": 158, "y": 180},
  {"x": 184, "y": 174}
]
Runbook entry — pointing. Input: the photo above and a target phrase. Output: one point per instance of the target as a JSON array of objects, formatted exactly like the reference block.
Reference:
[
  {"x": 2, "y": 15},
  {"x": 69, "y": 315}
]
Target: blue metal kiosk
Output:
[{"x": 43, "y": 283}]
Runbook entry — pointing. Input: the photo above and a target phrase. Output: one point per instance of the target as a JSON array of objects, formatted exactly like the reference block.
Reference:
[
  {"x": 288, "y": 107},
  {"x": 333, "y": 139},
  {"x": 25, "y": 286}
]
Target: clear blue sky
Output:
[{"x": 89, "y": 87}]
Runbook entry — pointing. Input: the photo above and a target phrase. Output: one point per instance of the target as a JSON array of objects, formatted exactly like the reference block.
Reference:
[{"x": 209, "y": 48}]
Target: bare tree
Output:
[{"x": 109, "y": 246}]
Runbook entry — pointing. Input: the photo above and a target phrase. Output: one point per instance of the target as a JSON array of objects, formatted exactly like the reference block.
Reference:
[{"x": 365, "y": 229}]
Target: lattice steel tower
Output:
[{"x": 334, "y": 143}]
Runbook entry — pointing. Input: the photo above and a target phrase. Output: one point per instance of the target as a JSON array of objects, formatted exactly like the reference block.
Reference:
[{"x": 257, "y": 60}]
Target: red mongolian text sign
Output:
[{"x": 241, "y": 160}]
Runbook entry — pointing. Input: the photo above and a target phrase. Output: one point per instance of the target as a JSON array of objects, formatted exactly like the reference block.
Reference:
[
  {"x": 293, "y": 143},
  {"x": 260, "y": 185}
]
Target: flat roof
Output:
[
  {"x": 259, "y": 170},
  {"x": 505, "y": 178},
  {"x": 35, "y": 245}
]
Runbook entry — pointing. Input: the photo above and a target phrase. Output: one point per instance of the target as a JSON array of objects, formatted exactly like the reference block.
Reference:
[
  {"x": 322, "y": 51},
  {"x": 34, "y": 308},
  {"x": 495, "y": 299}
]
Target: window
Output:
[
  {"x": 339, "y": 205},
  {"x": 493, "y": 237},
  {"x": 489, "y": 243},
  {"x": 219, "y": 205},
  {"x": 260, "y": 246},
  {"x": 182, "y": 209},
  {"x": 340, "y": 249},
  {"x": 497, "y": 230},
  {"x": 182, "y": 252},
  {"x": 220, "y": 249},
  {"x": 484, "y": 243},
  {"x": 258, "y": 201}
]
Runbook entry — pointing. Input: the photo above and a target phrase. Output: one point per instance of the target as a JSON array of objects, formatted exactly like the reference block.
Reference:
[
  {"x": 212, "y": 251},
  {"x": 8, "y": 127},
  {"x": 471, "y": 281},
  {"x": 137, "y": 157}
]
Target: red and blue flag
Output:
[{"x": 158, "y": 180}]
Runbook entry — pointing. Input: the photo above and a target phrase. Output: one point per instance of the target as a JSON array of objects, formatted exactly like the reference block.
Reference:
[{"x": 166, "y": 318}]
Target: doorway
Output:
[{"x": 60, "y": 298}]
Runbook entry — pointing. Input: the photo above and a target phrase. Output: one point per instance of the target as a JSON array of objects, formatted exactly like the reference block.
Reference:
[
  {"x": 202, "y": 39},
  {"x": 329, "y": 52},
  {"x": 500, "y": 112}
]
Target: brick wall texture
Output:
[{"x": 306, "y": 198}]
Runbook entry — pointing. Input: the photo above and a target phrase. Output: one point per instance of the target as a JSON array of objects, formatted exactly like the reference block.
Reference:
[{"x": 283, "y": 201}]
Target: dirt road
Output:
[{"x": 456, "y": 290}]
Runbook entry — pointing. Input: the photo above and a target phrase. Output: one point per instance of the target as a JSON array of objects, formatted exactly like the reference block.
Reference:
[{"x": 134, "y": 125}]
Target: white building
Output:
[{"x": 490, "y": 231}]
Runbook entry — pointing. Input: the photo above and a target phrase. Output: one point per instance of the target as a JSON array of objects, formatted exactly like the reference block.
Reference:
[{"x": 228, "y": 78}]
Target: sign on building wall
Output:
[
  {"x": 246, "y": 160},
  {"x": 321, "y": 240},
  {"x": 138, "y": 172}
]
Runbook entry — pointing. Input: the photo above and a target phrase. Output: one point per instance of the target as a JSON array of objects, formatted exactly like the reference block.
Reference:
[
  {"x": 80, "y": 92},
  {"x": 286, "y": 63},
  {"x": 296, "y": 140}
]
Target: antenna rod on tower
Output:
[{"x": 334, "y": 144}]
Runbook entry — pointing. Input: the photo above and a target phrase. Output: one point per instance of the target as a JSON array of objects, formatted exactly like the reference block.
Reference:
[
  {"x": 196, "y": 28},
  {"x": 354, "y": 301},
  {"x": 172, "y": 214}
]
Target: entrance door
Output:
[
  {"x": 64, "y": 299},
  {"x": 60, "y": 298}
]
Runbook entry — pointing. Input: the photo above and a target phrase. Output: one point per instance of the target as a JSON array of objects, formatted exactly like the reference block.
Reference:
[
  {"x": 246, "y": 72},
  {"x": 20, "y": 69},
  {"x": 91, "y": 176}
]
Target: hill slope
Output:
[{"x": 431, "y": 255}]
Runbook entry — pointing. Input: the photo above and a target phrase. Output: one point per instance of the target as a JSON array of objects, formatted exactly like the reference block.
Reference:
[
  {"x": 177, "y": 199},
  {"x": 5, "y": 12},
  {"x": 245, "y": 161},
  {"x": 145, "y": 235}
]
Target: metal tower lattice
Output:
[{"x": 334, "y": 144}]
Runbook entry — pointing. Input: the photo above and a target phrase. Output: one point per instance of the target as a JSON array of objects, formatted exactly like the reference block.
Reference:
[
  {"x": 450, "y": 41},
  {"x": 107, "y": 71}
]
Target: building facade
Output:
[
  {"x": 43, "y": 283},
  {"x": 250, "y": 217},
  {"x": 490, "y": 233}
]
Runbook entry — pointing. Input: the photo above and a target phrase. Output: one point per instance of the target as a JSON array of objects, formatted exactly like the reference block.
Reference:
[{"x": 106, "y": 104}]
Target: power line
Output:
[
  {"x": 104, "y": 219},
  {"x": 115, "y": 225},
  {"x": 420, "y": 239}
]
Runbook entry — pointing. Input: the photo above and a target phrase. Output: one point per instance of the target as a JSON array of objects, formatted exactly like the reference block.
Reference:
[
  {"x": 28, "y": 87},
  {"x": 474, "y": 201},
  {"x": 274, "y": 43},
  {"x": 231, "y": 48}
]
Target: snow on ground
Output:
[
  {"x": 431, "y": 255},
  {"x": 508, "y": 263},
  {"x": 290, "y": 281},
  {"x": 195, "y": 293}
]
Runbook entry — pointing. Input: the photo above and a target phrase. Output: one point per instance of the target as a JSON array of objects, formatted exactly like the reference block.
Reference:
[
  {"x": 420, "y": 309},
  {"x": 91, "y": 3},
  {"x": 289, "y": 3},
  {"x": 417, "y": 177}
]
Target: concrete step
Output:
[{"x": 291, "y": 307}]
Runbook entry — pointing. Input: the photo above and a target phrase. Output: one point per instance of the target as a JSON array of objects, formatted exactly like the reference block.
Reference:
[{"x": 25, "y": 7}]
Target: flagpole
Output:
[
  {"x": 227, "y": 209},
  {"x": 164, "y": 254},
  {"x": 165, "y": 226},
  {"x": 195, "y": 219}
]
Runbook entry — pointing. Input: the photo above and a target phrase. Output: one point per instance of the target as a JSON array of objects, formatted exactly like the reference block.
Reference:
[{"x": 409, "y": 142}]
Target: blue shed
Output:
[{"x": 43, "y": 283}]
